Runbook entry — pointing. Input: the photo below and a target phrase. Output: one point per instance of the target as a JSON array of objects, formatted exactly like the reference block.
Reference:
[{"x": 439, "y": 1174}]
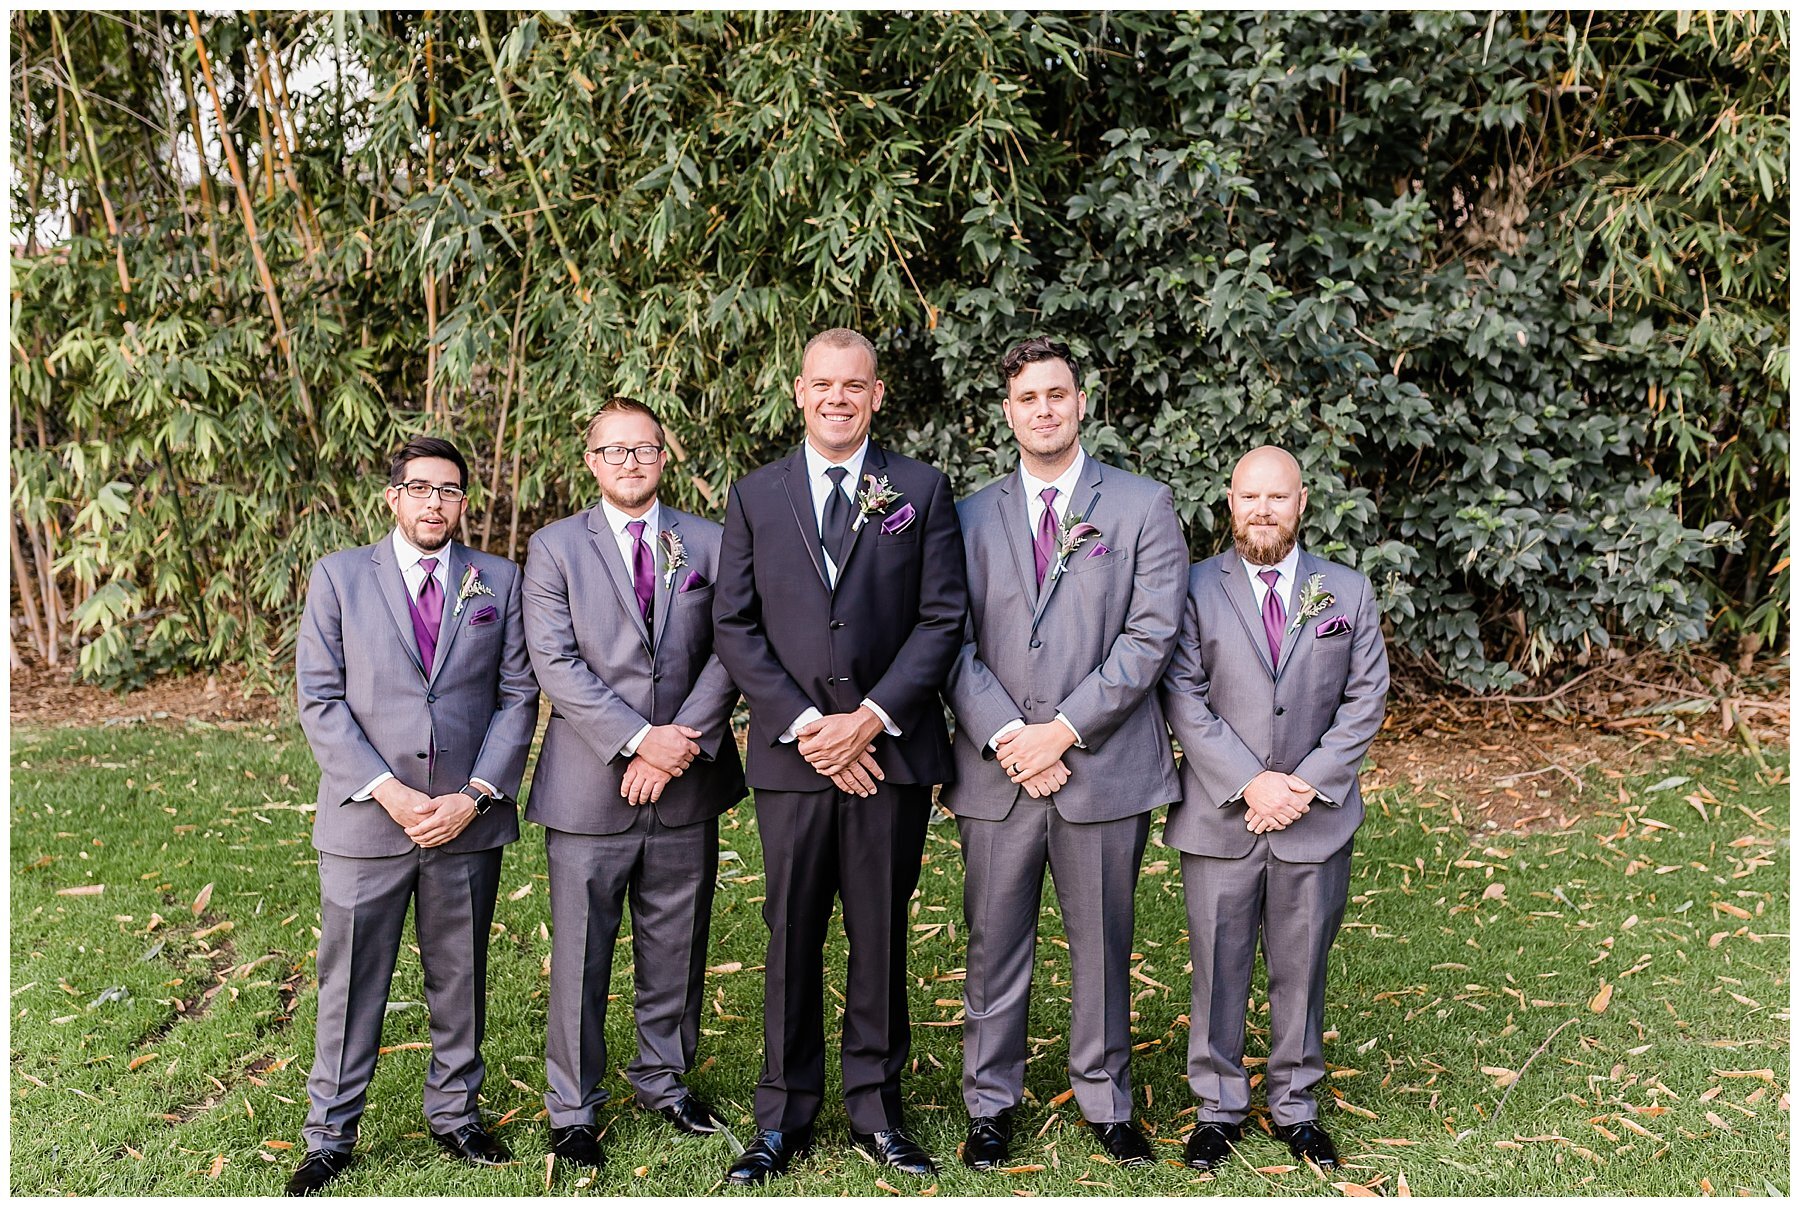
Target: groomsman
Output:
[
  {"x": 638, "y": 763},
  {"x": 1277, "y": 687},
  {"x": 839, "y": 610},
  {"x": 1075, "y": 573},
  {"x": 417, "y": 698}
]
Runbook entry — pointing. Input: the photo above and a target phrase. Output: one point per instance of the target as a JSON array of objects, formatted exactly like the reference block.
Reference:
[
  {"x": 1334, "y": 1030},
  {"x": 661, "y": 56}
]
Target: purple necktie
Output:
[
  {"x": 1045, "y": 545},
  {"x": 643, "y": 568},
  {"x": 428, "y": 612},
  {"x": 1274, "y": 615}
]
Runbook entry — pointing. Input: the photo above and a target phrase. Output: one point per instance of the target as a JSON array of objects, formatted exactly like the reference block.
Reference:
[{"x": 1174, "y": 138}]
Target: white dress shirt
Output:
[
  {"x": 816, "y": 468},
  {"x": 617, "y": 520},
  {"x": 1034, "y": 512},
  {"x": 408, "y": 557}
]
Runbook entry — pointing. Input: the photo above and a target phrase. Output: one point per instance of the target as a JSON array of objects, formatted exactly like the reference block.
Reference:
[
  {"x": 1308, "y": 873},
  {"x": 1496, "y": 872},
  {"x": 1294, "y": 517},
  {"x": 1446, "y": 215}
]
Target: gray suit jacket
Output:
[
  {"x": 1236, "y": 715},
  {"x": 607, "y": 676},
  {"x": 1091, "y": 645},
  {"x": 367, "y": 705}
]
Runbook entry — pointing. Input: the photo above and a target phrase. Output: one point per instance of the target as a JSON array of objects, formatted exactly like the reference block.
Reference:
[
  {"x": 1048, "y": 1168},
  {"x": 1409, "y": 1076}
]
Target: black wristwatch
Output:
[{"x": 483, "y": 802}]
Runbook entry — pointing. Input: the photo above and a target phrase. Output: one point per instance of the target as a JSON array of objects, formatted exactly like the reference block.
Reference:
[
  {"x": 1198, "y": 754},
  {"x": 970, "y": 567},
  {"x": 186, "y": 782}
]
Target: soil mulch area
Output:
[
  {"x": 1499, "y": 763},
  {"x": 45, "y": 696}
]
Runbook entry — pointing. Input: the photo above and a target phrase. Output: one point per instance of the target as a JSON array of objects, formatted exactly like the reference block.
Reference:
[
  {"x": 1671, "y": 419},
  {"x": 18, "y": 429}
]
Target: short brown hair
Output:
[
  {"x": 618, "y": 404},
  {"x": 1030, "y": 351},
  {"x": 842, "y": 337},
  {"x": 418, "y": 449}
]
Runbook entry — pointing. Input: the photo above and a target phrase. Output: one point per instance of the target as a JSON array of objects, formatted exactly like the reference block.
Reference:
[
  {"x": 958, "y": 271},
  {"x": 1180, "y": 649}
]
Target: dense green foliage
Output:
[{"x": 1513, "y": 286}]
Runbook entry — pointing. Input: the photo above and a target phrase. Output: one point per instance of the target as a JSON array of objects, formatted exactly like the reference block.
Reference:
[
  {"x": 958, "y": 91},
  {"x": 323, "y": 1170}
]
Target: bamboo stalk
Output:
[
  {"x": 249, "y": 218},
  {"x": 512, "y": 125},
  {"x": 506, "y": 390},
  {"x": 206, "y": 197},
  {"x": 27, "y": 588},
  {"x": 284, "y": 113},
  {"x": 53, "y": 613},
  {"x": 268, "y": 106},
  {"x": 93, "y": 148}
]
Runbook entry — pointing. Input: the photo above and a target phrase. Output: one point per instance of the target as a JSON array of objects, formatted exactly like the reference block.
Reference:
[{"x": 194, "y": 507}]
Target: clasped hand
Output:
[
  {"x": 1273, "y": 801},
  {"x": 841, "y": 748},
  {"x": 665, "y": 752},
  {"x": 1032, "y": 757},
  {"x": 430, "y": 821}
]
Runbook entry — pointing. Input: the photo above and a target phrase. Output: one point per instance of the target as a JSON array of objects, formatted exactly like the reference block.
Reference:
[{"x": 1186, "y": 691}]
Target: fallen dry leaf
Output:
[
  {"x": 201, "y": 900},
  {"x": 890, "y": 1189},
  {"x": 732, "y": 966},
  {"x": 138, "y": 1062},
  {"x": 1062, "y": 1097},
  {"x": 281, "y": 1144},
  {"x": 1401, "y": 1189},
  {"x": 524, "y": 890},
  {"x": 218, "y": 1166},
  {"x": 1354, "y": 1190},
  {"x": 416, "y": 1046},
  {"x": 1767, "y": 1075},
  {"x": 1603, "y": 999},
  {"x": 1276, "y": 1169},
  {"x": 1023, "y": 1169},
  {"x": 82, "y": 890},
  {"x": 1496, "y": 889}
]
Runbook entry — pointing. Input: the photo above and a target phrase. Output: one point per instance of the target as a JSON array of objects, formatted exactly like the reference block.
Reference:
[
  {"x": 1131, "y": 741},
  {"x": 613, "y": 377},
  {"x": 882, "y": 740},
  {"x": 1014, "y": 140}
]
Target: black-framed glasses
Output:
[
  {"x": 616, "y": 454},
  {"x": 417, "y": 489}
]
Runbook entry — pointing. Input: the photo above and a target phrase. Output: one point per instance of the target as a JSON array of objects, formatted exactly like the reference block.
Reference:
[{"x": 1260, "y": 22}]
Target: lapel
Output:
[
  {"x": 393, "y": 591},
  {"x": 874, "y": 462},
  {"x": 1293, "y": 638},
  {"x": 1243, "y": 602},
  {"x": 1015, "y": 522},
  {"x": 606, "y": 548},
  {"x": 450, "y": 624},
  {"x": 1082, "y": 501},
  {"x": 664, "y": 594},
  {"x": 799, "y": 492}
]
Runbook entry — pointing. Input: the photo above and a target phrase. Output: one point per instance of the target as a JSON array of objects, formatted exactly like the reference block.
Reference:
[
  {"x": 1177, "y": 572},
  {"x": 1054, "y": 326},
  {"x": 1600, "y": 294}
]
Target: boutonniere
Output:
[
  {"x": 1314, "y": 599},
  {"x": 674, "y": 555},
  {"x": 1075, "y": 533},
  {"x": 876, "y": 497},
  {"x": 471, "y": 587}
]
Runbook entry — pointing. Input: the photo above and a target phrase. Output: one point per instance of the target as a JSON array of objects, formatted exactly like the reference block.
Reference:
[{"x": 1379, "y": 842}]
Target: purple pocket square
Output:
[
  {"x": 1100, "y": 549},
  {"x": 899, "y": 520},
  {"x": 693, "y": 581},
  {"x": 487, "y": 615},
  {"x": 1332, "y": 627}
]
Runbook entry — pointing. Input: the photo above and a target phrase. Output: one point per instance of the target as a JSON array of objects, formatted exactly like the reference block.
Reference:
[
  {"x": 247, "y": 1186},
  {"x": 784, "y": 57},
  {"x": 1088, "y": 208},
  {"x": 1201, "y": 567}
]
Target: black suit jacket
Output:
[{"x": 890, "y": 632}]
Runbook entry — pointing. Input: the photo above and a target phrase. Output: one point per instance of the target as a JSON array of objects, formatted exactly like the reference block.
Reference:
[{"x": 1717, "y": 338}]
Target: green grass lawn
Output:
[{"x": 159, "y": 1048}]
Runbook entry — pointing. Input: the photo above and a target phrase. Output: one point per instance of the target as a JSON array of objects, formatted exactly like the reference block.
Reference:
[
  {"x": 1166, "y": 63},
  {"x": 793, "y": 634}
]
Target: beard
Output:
[
  {"x": 425, "y": 540},
  {"x": 1264, "y": 550},
  {"x": 629, "y": 495}
]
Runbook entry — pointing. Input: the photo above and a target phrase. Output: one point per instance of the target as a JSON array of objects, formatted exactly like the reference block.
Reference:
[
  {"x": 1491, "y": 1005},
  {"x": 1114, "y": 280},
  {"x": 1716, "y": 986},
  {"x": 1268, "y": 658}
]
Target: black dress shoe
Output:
[
  {"x": 691, "y": 1115},
  {"x": 768, "y": 1155},
  {"x": 896, "y": 1150},
  {"x": 471, "y": 1143},
  {"x": 1123, "y": 1142},
  {"x": 989, "y": 1136},
  {"x": 1309, "y": 1142},
  {"x": 578, "y": 1144},
  {"x": 1209, "y": 1145},
  {"x": 321, "y": 1165}
]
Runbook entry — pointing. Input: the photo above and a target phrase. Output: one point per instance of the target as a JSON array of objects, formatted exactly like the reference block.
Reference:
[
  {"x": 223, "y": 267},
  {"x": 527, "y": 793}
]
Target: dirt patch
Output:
[{"x": 46, "y": 696}]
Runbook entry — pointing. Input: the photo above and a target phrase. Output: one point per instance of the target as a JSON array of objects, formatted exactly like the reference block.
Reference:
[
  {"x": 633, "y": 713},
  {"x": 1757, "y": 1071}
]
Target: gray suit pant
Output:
[
  {"x": 363, "y": 909},
  {"x": 669, "y": 873},
  {"x": 1296, "y": 908},
  {"x": 1095, "y": 869}
]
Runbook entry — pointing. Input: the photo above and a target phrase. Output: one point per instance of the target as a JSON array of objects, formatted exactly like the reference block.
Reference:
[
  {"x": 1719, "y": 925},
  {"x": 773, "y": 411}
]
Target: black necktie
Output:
[{"x": 834, "y": 528}]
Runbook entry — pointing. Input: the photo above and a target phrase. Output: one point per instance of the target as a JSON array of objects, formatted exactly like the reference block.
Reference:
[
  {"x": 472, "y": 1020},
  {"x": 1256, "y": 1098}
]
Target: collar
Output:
[
  {"x": 407, "y": 555},
  {"x": 816, "y": 464},
  {"x": 616, "y": 520},
  {"x": 1064, "y": 483},
  {"x": 1289, "y": 567}
]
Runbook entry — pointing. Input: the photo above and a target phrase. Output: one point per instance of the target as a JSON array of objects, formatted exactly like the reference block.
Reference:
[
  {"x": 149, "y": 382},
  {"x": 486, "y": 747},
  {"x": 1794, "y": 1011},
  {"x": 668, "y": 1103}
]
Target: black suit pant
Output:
[{"x": 818, "y": 846}]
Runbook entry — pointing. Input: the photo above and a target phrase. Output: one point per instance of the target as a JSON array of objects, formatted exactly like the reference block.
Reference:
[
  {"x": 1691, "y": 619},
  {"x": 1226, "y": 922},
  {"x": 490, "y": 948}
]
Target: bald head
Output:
[{"x": 1267, "y": 501}]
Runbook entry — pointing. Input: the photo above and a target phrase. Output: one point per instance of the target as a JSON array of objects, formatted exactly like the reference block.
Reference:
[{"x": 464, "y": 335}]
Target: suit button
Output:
[
  {"x": 656, "y": 677},
  {"x": 1280, "y": 709},
  {"x": 431, "y": 699},
  {"x": 1036, "y": 643},
  {"x": 837, "y": 624},
  {"x": 423, "y": 755}
]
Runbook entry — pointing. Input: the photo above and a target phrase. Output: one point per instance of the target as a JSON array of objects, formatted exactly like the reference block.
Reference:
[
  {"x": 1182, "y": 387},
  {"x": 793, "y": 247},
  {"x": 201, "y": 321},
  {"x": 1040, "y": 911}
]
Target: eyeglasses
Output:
[
  {"x": 616, "y": 454},
  {"x": 424, "y": 490}
]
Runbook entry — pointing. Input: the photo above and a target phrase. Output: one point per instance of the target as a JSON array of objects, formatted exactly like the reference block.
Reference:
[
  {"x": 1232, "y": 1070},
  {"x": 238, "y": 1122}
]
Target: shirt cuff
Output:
[
  {"x": 887, "y": 722},
  {"x": 801, "y": 722},
  {"x": 1078, "y": 742},
  {"x": 1238, "y": 798},
  {"x": 630, "y": 748},
  {"x": 485, "y": 787},
  {"x": 368, "y": 792},
  {"x": 1009, "y": 727}
]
